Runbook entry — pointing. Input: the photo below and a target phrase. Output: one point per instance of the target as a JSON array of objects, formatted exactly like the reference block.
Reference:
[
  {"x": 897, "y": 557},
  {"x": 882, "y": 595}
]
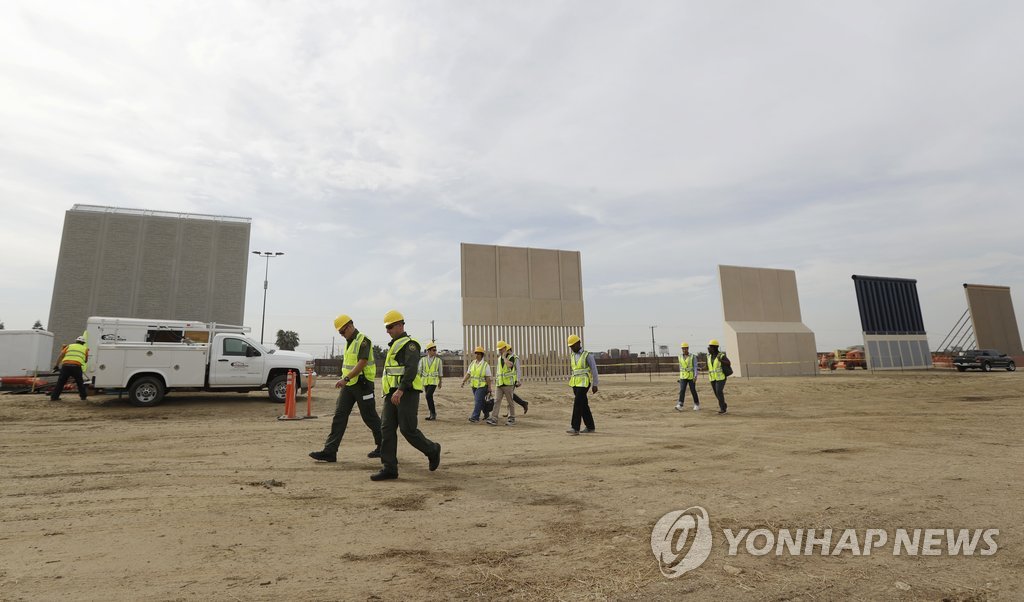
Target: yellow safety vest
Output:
[
  {"x": 715, "y": 371},
  {"x": 686, "y": 371},
  {"x": 506, "y": 371},
  {"x": 352, "y": 358},
  {"x": 430, "y": 372},
  {"x": 580, "y": 369},
  {"x": 478, "y": 374},
  {"x": 75, "y": 354},
  {"x": 393, "y": 371}
]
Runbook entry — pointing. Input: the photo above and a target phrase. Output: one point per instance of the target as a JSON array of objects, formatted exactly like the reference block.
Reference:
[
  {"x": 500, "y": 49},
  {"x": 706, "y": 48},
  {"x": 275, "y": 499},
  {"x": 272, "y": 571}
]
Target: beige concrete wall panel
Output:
[
  {"x": 229, "y": 276},
  {"x": 993, "y": 318},
  {"x": 771, "y": 296},
  {"x": 753, "y": 304},
  {"x": 768, "y": 354},
  {"x": 732, "y": 292},
  {"x": 545, "y": 281},
  {"x": 514, "y": 311},
  {"x": 572, "y": 313},
  {"x": 479, "y": 271},
  {"x": 571, "y": 275},
  {"x": 546, "y": 313},
  {"x": 195, "y": 272},
  {"x": 479, "y": 311},
  {"x": 513, "y": 272},
  {"x": 789, "y": 351},
  {"x": 789, "y": 297}
]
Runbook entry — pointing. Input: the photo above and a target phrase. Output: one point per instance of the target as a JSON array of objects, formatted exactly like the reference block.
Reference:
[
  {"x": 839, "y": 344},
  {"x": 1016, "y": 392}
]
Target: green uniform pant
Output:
[
  {"x": 360, "y": 394},
  {"x": 401, "y": 418}
]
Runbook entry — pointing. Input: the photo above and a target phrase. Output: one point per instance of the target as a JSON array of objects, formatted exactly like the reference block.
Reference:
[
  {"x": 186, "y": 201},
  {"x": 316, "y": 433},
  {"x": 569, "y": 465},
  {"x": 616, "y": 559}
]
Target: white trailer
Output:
[
  {"x": 25, "y": 352},
  {"x": 148, "y": 358}
]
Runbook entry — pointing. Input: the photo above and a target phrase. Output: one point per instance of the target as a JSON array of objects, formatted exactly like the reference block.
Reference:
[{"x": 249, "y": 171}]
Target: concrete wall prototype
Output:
[
  {"x": 532, "y": 298},
  {"x": 148, "y": 264},
  {"x": 993, "y": 318},
  {"x": 764, "y": 333}
]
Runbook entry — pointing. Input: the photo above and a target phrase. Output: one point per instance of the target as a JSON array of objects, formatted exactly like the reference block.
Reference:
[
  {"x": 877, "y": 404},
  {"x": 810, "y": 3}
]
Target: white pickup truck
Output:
[{"x": 148, "y": 358}]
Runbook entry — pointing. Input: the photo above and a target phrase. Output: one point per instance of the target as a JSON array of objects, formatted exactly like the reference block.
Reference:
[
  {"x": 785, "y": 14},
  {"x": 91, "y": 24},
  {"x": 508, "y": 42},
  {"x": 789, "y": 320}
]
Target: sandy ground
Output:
[{"x": 101, "y": 500}]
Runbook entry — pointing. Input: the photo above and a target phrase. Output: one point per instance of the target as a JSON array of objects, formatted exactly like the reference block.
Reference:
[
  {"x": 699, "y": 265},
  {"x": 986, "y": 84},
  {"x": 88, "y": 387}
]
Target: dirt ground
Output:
[{"x": 102, "y": 500}]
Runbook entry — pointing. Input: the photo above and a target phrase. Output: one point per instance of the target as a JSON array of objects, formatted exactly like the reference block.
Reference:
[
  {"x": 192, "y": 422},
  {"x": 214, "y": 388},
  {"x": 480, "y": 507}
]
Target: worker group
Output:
[{"x": 408, "y": 373}]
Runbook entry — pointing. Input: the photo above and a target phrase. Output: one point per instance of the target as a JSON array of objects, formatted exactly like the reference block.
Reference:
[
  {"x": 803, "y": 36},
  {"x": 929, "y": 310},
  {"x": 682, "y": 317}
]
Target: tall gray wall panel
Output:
[
  {"x": 993, "y": 318},
  {"x": 145, "y": 264}
]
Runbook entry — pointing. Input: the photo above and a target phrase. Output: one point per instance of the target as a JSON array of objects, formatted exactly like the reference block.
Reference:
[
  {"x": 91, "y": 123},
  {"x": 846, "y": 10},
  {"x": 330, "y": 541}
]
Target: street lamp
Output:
[{"x": 268, "y": 255}]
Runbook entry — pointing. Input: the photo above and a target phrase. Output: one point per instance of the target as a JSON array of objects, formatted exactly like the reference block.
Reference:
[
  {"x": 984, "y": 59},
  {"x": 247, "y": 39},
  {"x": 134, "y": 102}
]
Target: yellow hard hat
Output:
[
  {"x": 684, "y": 344},
  {"x": 502, "y": 345},
  {"x": 479, "y": 349},
  {"x": 713, "y": 342},
  {"x": 572, "y": 340},
  {"x": 393, "y": 316},
  {"x": 430, "y": 345},
  {"x": 341, "y": 320}
]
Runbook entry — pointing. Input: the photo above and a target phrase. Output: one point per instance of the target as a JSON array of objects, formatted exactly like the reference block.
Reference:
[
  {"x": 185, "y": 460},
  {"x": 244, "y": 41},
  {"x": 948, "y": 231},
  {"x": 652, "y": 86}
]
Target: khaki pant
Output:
[{"x": 505, "y": 392}]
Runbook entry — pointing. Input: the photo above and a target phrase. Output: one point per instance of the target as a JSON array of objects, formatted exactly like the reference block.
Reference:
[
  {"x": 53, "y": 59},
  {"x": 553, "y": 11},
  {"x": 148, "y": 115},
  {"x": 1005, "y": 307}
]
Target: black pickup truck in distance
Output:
[{"x": 983, "y": 359}]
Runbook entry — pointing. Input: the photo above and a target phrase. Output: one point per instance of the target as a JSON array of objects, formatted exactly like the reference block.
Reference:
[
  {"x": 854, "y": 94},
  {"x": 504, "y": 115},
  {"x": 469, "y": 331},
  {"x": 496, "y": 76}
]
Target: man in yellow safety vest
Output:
[
  {"x": 432, "y": 373},
  {"x": 583, "y": 378},
  {"x": 687, "y": 377},
  {"x": 402, "y": 386},
  {"x": 71, "y": 359},
  {"x": 717, "y": 364},
  {"x": 358, "y": 369},
  {"x": 507, "y": 377}
]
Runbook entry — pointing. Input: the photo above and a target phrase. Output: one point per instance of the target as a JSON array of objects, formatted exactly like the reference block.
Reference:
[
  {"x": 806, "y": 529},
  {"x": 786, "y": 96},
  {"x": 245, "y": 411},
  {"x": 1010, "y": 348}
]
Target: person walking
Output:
[
  {"x": 358, "y": 369},
  {"x": 584, "y": 378},
  {"x": 519, "y": 381},
  {"x": 431, "y": 373},
  {"x": 402, "y": 386},
  {"x": 479, "y": 377},
  {"x": 507, "y": 378},
  {"x": 687, "y": 377},
  {"x": 71, "y": 360},
  {"x": 719, "y": 369}
]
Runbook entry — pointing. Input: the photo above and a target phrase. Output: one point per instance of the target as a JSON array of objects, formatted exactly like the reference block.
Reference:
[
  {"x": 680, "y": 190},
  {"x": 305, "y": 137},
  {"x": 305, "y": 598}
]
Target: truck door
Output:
[{"x": 235, "y": 362}]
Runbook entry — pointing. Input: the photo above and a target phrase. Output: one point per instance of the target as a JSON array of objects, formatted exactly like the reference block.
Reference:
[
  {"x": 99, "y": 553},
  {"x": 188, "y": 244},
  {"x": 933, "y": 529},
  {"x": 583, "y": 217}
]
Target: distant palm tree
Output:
[
  {"x": 287, "y": 340},
  {"x": 38, "y": 326}
]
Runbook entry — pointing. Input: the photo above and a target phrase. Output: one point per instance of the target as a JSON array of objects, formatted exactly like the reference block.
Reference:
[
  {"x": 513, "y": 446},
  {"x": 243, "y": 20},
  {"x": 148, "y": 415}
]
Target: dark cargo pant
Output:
[
  {"x": 401, "y": 418},
  {"x": 361, "y": 394}
]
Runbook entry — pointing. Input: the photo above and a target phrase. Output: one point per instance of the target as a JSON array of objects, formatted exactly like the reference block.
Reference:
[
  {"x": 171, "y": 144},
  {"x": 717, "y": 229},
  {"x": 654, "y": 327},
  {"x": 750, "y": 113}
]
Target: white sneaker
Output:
[
  {"x": 696, "y": 407},
  {"x": 679, "y": 408}
]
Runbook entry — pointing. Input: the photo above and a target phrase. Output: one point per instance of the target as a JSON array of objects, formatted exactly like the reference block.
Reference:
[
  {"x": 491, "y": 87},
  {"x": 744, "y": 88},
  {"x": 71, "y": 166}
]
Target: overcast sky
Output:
[{"x": 366, "y": 140}]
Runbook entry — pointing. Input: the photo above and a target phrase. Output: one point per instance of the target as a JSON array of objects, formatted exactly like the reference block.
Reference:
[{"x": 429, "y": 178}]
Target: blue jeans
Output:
[{"x": 479, "y": 395}]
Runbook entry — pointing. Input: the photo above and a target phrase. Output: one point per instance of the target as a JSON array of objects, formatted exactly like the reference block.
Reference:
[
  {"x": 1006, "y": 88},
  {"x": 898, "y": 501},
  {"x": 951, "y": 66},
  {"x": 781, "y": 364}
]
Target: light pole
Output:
[{"x": 268, "y": 255}]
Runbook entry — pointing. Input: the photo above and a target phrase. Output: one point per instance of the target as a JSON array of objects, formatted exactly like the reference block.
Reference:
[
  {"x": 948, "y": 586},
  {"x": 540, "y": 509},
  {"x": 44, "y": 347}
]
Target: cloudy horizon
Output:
[{"x": 367, "y": 140}]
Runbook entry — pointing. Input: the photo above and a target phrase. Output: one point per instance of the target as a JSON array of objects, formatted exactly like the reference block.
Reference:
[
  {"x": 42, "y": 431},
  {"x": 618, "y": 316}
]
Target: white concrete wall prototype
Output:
[{"x": 763, "y": 332}]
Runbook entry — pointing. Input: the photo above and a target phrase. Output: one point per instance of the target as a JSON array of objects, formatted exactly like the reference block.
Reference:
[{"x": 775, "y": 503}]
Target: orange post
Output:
[
  {"x": 289, "y": 399},
  {"x": 309, "y": 395}
]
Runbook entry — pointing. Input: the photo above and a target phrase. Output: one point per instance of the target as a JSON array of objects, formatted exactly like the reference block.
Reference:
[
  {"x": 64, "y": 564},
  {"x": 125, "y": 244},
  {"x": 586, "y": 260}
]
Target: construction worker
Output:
[
  {"x": 71, "y": 359},
  {"x": 519, "y": 381},
  {"x": 402, "y": 385},
  {"x": 584, "y": 377},
  {"x": 507, "y": 378},
  {"x": 717, "y": 363},
  {"x": 431, "y": 373},
  {"x": 358, "y": 369},
  {"x": 479, "y": 377},
  {"x": 687, "y": 377}
]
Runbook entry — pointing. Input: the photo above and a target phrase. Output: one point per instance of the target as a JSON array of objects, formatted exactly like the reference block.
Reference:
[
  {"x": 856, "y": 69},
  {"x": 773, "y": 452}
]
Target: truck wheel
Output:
[
  {"x": 986, "y": 367},
  {"x": 278, "y": 388},
  {"x": 146, "y": 391},
  {"x": 1011, "y": 367},
  {"x": 960, "y": 368}
]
